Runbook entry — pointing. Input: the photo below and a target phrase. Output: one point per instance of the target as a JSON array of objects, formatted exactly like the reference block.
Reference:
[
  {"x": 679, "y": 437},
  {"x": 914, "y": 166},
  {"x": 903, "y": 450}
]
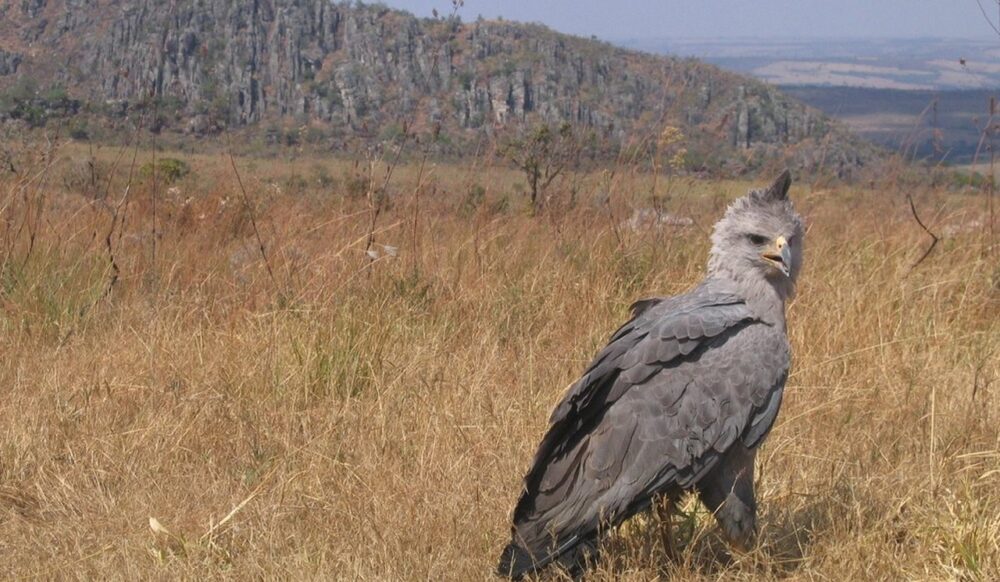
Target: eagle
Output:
[{"x": 679, "y": 400}]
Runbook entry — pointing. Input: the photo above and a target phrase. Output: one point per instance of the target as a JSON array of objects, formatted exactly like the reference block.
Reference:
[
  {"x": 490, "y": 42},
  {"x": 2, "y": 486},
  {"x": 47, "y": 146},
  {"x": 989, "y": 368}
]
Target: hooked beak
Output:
[{"x": 780, "y": 256}]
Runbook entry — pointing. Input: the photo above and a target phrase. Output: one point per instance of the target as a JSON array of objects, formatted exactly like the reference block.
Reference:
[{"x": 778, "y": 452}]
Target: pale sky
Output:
[{"x": 829, "y": 19}]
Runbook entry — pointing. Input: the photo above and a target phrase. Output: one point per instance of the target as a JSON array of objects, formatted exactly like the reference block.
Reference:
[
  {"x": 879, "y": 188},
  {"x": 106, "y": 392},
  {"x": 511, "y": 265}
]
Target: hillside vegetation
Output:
[
  {"x": 334, "y": 76},
  {"x": 318, "y": 370}
]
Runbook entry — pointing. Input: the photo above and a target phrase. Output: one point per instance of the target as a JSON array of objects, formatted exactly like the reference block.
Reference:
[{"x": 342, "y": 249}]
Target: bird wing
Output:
[
  {"x": 660, "y": 330},
  {"x": 674, "y": 388}
]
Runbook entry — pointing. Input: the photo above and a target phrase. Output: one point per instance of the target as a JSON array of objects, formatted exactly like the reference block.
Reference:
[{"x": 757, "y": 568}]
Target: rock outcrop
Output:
[{"x": 355, "y": 70}]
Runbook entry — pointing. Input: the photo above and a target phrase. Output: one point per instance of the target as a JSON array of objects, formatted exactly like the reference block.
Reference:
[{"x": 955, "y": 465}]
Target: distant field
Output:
[
  {"x": 882, "y": 88},
  {"x": 341, "y": 370},
  {"x": 933, "y": 125},
  {"x": 915, "y": 63},
  {"x": 982, "y": 168}
]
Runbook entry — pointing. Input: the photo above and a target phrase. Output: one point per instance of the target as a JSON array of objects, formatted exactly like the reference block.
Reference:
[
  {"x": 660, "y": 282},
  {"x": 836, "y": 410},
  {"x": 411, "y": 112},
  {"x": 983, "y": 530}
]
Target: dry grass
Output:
[{"x": 352, "y": 419}]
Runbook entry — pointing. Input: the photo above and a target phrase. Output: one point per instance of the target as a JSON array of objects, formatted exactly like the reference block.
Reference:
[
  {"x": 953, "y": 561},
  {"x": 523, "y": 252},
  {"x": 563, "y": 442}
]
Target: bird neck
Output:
[{"x": 764, "y": 296}]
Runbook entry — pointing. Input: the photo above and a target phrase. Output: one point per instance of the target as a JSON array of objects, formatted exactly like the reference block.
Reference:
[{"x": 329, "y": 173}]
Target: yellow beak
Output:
[{"x": 780, "y": 255}]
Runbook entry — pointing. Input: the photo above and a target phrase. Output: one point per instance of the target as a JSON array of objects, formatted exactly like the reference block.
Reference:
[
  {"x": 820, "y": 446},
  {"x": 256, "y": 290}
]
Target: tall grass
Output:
[{"x": 370, "y": 417}]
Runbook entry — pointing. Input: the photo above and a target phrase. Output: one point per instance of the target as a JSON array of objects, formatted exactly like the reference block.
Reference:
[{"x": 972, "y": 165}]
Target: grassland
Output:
[
  {"x": 315, "y": 411},
  {"x": 935, "y": 126}
]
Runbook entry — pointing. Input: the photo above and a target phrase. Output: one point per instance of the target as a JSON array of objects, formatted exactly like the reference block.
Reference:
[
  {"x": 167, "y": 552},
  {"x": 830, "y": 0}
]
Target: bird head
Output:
[{"x": 760, "y": 238}]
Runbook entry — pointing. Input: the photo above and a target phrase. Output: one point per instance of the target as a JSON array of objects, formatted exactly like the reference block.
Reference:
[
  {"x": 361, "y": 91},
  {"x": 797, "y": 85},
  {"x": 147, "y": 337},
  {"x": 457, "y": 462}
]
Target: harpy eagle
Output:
[{"x": 679, "y": 399}]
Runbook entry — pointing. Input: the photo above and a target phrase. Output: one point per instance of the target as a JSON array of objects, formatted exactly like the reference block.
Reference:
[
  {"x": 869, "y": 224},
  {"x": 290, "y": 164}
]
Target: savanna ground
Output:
[{"x": 316, "y": 411}]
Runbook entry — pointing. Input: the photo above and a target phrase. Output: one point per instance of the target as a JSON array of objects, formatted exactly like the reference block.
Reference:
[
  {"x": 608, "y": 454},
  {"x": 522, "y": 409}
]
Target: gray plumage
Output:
[{"x": 678, "y": 400}]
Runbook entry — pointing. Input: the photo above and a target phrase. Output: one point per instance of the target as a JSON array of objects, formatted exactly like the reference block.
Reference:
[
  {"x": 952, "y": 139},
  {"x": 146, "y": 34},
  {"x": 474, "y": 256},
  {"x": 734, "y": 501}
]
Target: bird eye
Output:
[{"x": 757, "y": 239}]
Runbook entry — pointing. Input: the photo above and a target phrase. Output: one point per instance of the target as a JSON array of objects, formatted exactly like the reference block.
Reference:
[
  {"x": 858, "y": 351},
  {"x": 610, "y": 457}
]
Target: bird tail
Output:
[
  {"x": 574, "y": 555},
  {"x": 515, "y": 562}
]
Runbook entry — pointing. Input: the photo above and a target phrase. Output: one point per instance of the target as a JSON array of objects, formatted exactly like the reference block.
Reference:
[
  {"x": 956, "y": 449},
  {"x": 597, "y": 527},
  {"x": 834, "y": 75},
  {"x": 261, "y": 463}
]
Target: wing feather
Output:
[{"x": 654, "y": 409}]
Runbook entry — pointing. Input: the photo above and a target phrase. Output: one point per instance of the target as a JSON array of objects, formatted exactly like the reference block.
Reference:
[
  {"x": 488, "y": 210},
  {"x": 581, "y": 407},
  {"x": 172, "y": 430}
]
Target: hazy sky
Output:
[{"x": 624, "y": 19}]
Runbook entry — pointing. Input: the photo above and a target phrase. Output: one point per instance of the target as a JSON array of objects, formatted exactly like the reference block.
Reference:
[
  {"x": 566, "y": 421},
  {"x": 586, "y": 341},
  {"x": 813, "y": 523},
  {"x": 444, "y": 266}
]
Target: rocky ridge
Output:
[{"x": 353, "y": 71}]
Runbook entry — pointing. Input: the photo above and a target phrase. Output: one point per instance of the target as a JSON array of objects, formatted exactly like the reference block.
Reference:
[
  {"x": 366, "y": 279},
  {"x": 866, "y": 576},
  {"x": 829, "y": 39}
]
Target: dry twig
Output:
[{"x": 934, "y": 237}]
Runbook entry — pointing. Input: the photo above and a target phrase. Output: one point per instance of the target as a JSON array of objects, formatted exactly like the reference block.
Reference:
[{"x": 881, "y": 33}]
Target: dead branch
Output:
[
  {"x": 987, "y": 17},
  {"x": 934, "y": 237}
]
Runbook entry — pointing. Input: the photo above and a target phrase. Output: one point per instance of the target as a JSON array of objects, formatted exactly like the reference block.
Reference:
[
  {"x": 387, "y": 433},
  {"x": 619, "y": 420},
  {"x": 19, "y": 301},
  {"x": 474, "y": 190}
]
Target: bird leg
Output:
[{"x": 665, "y": 512}]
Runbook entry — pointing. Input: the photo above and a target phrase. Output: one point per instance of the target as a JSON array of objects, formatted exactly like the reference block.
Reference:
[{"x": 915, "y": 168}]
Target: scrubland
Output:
[{"x": 340, "y": 370}]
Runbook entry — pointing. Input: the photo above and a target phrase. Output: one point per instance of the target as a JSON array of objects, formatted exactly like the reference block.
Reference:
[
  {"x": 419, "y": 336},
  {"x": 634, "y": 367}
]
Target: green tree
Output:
[{"x": 542, "y": 153}]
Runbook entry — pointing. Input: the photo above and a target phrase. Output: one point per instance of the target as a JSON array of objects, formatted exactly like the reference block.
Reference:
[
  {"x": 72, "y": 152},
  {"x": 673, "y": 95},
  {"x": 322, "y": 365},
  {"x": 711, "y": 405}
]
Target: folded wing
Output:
[{"x": 673, "y": 389}]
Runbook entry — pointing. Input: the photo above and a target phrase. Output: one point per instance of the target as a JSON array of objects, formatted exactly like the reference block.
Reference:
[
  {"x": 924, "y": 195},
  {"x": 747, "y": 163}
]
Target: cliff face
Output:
[{"x": 357, "y": 70}]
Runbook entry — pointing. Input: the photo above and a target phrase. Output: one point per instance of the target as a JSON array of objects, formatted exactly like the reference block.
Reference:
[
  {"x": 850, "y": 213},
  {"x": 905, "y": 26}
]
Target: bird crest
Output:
[{"x": 776, "y": 192}]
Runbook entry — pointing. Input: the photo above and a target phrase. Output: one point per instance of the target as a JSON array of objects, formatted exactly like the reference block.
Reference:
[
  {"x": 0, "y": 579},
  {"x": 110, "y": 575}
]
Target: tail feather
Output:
[
  {"x": 515, "y": 562},
  {"x": 573, "y": 556}
]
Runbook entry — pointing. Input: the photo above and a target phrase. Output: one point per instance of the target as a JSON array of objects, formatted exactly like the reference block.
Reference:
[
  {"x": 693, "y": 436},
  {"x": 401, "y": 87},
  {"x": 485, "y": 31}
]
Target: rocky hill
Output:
[{"x": 343, "y": 73}]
